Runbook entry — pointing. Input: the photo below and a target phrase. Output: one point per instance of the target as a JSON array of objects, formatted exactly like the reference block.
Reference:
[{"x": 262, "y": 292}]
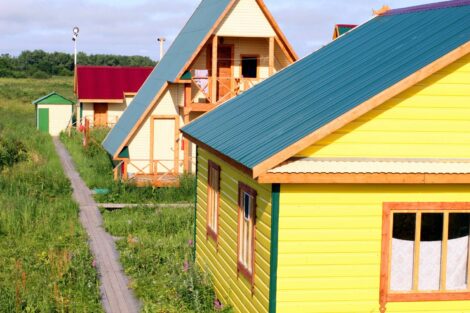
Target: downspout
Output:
[
  {"x": 195, "y": 206},
  {"x": 275, "y": 195}
]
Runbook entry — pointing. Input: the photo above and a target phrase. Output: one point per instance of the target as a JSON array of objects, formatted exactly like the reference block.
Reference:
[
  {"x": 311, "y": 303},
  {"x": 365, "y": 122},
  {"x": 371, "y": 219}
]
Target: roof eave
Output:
[
  {"x": 220, "y": 155},
  {"x": 363, "y": 108},
  {"x": 363, "y": 178}
]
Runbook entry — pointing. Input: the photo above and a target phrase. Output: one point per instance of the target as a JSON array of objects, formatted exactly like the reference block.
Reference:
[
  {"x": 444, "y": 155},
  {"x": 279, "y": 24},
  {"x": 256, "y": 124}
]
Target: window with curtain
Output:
[{"x": 426, "y": 251}]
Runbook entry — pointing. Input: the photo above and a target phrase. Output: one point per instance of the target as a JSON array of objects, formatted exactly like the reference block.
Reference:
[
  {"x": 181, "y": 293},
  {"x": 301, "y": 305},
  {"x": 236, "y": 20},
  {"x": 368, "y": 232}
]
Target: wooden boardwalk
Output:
[{"x": 115, "y": 294}]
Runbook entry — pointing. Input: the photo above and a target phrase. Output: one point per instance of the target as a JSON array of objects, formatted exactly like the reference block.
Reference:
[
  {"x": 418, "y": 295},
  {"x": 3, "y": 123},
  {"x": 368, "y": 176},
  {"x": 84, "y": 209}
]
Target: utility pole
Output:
[{"x": 161, "y": 40}]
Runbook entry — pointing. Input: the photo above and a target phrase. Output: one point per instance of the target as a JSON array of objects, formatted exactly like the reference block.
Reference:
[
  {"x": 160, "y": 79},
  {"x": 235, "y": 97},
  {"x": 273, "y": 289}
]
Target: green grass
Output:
[
  {"x": 156, "y": 252},
  {"x": 45, "y": 263},
  {"x": 96, "y": 169}
]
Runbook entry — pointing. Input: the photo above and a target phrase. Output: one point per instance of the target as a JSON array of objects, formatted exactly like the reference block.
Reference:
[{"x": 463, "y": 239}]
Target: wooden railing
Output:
[
  {"x": 233, "y": 85},
  {"x": 151, "y": 170}
]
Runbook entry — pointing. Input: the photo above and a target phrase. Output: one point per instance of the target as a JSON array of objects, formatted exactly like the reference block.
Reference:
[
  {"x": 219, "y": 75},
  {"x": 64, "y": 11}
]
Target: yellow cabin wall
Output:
[
  {"x": 139, "y": 145},
  {"x": 431, "y": 119},
  {"x": 221, "y": 263},
  {"x": 330, "y": 246},
  {"x": 245, "y": 19}
]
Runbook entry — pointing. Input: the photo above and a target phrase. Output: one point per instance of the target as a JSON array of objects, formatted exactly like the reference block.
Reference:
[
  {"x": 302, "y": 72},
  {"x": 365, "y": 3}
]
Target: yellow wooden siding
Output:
[
  {"x": 222, "y": 263},
  {"x": 250, "y": 46},
  {"x": 330, "y": 246},
  {"x": 88, "y": 111},
  {"x": 280, "y": 58},
  {"x": 139, "y": 145},
  {"x": 245, "y": 19},
  {"x": 431, "y": 119},
  {"x": 59, "y": 117},
  {"x": 115, "y": 111}
]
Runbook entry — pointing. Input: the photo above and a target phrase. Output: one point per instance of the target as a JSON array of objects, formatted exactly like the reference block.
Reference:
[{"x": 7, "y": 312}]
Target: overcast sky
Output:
[{"x": 130, "y": 27}]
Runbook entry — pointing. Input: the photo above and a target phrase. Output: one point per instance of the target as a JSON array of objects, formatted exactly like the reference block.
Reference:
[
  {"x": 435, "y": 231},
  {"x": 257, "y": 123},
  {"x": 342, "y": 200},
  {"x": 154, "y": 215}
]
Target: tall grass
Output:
[
  {"x": 96, "y": 168},
  {"x": 156, "y": 252},
  {"x": 45, "y": 264}
]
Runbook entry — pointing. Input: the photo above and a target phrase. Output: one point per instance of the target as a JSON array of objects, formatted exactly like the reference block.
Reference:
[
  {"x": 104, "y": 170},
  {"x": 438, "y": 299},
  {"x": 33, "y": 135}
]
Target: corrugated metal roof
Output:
[
  {"x": 53, "y": 98},
  {"x": 344, "y": 28},
  {"x": 109, "y": 82},
  {"x": 364, "y": 165},
  {"x": 184, "y": 46},
  {"x": 330, "y": 82}
]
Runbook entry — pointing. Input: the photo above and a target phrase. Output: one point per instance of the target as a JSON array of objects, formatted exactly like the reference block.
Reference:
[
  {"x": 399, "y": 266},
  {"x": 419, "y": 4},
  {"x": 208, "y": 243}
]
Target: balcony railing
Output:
[
  {"x": 152, "y": 172},
  {"x": 227, "y": 87}
]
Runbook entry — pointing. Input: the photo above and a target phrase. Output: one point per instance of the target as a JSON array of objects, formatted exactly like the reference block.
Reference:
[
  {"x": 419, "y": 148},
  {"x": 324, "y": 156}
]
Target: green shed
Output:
[{"x": 53, "y": 113}]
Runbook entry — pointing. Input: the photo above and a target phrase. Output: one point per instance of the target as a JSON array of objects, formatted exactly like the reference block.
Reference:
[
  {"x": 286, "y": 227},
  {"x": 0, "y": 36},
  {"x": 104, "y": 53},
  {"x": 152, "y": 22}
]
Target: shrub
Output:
[
  {"x": 11, "y": 151},
  {"x": 40, "y": 75}
]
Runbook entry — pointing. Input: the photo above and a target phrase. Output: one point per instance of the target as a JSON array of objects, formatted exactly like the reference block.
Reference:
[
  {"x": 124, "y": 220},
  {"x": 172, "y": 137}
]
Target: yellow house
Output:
[
  {"x": 349, "y": 191},
  {"x": 225, "y": 48}
]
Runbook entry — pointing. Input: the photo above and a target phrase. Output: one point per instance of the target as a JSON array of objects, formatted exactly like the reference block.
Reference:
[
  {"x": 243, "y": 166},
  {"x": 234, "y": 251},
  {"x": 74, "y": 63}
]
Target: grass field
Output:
[
  {"x": 156, "y": 252},
  {"x": 45, "y": 264},
  {"x": 96, "y": 168}
]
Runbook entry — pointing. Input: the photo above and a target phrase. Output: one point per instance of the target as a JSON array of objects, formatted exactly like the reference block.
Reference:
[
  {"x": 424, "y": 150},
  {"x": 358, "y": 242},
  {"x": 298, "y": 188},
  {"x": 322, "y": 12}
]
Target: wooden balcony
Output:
[{"x": 200, "y": 93}]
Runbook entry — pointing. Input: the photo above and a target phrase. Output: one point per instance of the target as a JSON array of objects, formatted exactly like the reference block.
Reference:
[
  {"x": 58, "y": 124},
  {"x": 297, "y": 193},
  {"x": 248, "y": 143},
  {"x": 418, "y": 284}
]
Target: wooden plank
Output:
[
  {"x": 116, "y": 297},
  {"x": 416, "y": 251},
  {"x": 271, "y": 56},
  {"x": 215, "y": 49},
  {"x": 445, "y": 237},
  {"x": 117, "y": 206}
]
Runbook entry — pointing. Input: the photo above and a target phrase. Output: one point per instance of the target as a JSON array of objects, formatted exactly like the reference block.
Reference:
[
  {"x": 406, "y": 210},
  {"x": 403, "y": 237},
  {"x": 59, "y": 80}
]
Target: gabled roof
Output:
[
  {"x": 184, "y": 49},
  {"x": 341, "y": 29},
  {"x": 333, "y": 86},
  {"x": 53, "y": 98},
  {"x": 109, "y": 82}
]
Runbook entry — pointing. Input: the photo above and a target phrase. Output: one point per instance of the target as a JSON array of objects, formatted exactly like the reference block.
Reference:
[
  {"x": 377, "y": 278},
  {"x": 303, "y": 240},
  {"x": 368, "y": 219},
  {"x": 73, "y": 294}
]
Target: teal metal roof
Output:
[
  {"x": 53, "y": 98},
  {"x": 184, "y": 46},
  {"x": 331, "y": 81}
]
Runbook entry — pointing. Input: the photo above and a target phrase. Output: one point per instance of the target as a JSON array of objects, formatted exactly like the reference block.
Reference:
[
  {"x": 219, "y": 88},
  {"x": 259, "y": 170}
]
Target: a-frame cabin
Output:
[{"x": 226, "y": 47}]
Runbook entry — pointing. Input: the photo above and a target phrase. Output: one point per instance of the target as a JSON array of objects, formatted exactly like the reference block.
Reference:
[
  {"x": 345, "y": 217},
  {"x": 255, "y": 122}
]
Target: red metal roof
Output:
[{"x": 109, "y": 82}]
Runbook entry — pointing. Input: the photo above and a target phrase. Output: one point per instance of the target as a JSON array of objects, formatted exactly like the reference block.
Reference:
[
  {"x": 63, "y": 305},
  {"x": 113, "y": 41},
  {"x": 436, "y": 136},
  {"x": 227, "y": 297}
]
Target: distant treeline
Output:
[{"x": 41, "y": 64}]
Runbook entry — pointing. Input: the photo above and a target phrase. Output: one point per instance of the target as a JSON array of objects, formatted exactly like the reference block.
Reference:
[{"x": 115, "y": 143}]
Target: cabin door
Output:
[
  {"x": 43, "y": 120},
  {"x": 164, "y": 136},
  {"x": 224, "y": 72},
  {"x": 101, "y": 114}
]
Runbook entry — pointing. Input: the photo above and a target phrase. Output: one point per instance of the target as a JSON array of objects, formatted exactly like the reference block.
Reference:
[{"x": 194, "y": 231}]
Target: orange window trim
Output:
[
  {"x": 413, "y": 296},
  {"x": 212, "y": 167},
  {"x": 248, "y": 273}
]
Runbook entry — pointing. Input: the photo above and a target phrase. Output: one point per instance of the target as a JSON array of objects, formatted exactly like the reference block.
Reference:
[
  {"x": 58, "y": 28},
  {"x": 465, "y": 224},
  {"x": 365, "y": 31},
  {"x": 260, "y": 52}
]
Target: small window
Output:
[
  {"x": 249, "y": 66},
  {"x": 213, "y": 196},
  {"x": 246, "y": 230},
  {"x": 426, "y": 250}
]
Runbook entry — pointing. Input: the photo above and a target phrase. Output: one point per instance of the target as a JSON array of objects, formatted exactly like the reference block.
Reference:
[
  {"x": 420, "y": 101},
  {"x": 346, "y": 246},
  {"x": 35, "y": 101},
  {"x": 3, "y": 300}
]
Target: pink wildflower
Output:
[{"x": 186, "y": 266}]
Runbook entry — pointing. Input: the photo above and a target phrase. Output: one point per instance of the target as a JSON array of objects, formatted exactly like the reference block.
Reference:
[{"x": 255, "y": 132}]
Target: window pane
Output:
[
  {"x": 457, "y": 251},
  {"x": 402, "y": 251},
  {"x": 246, "y": 206},
  {"x": 430, "y": 251},
  {"x": 249, "y": 67}
]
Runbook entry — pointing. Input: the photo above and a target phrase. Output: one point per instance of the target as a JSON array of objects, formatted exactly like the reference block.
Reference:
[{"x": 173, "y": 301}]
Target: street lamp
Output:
[{"x": 75, "y": 31}]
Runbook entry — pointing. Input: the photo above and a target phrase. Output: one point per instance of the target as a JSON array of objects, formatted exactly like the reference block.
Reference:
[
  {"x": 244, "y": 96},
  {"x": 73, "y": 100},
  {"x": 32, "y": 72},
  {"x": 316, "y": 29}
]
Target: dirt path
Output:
[{"x": 115, "y": 294}]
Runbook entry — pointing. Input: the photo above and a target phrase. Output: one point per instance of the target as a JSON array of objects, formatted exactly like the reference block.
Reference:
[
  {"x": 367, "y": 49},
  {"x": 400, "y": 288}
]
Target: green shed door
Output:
[{"x": 43, "y": 119}]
